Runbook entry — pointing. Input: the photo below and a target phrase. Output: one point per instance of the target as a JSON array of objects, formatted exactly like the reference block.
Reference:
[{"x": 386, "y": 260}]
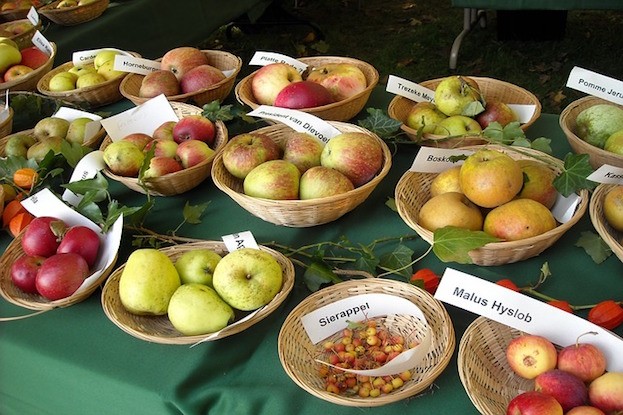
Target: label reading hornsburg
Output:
[
  {"x": 596, "y": 84},
  {"x": 136, "y": 65}
]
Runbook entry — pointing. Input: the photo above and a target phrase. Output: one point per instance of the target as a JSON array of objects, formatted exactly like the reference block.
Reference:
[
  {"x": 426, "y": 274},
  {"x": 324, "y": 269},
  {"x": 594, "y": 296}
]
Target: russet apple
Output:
[
  {"x": 450, "y": 209},
  {"x": 424, "y": 116},
  {"x": 61, "y": 275},
  {"x": 161, "y": 165},
  {"x": 164, "y": 131},
  {"x": 343, "y": 80},
  {"x": 193, "y": 152},
  {"x": 15, "y": 72},
  {"x": 123, "y": 158},
  {"x": 273, "y": 179},
  {"x": 569, "y": 390},
  {"x": 584, "y": 360},
  {"x": 529, "y": 355},
  {"x": 182, "y": 59},
  {"x": 613, "y": 207},
  {"x": 455, "y": 93},
  {"x": 139, "y": 139},
  {"x": 519, "y": 219},
  {"x": 303, "y": 149},
  {"x": 320, "y": 181},
  {"x": 159, "y": 82},
  {"x": 538, "y": 182},
  {"x": 606, "y": 392},
  {"x": 446, "y": 181},
  {"x": 270, "y": 79},
  {"x": 534, "y": 403},
  {"x": 357, "y": 155},
  {"x": 194, "y": 127},
  {"x": 496, "y": 111},
  {"x": 162, "y": 148},
  {"x": 457, "y": 125},
  {"x": 196, "y": 309},
  {"x": 200, "y": 77},
  {"x": 33, "y": 57},
  {"x": 244, "y": 152},
  {"x": 303, "y": 94}
]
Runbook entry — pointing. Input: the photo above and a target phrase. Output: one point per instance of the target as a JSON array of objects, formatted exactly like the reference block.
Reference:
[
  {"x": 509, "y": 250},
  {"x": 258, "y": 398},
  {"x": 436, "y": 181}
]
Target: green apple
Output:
[
  {"x": 9, "y": 56},
  {"x": 63, "y": 81},
  {"x": 104, "y": 56},
  {"x": 458, "y": 95},
  {"x": 108, "y": 71},
  {"x": 247, "y": 278},
  {"x": 42, "y": 147},
  {"x": 66, "y": 3},
  {"x": 9, "y": 41},
  {"x": 124, "y": 158},
  {"x": 197, "y": 309},
  {"x": 614, "y": 143},
  {"x": 598, "y": 122},
  {"x": 82, "y": 69},
  {"x": 51, "y": 127},
  {"x": 77, "y": 129},
  {"x": 90, "y": 79},
  {"x": 457, "y": 125},
  {"x": 18, "y": 144},
  {"x": 424, "y": 116},
  {"x": 197, "y": 265}
]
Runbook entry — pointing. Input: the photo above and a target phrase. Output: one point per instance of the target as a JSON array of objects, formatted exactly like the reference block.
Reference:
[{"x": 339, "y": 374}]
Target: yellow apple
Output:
[
  {"x": 89, "y": 79},
  {"x": 450, "y": 209},
  {"x": 82, "y": 69},
  {"x": 519, "y": 219},
  {"x": 104, "y": 56},
  {"x": 63, "y": 81},
  {"x": 613, "y": 207},
  {"x": 107, "y": 70},
  {"x": 454, "y": 94},
  {"x": 424, "y": 116},
  {"x": 457, "y": 125},
  {"x": 446, "y": 181}
]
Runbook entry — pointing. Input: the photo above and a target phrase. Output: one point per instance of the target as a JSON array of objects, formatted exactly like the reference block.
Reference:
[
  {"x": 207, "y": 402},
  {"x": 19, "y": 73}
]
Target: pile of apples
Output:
[
  {"x": 601, "y": 125},
  {"x": 305, "y": 168},
  {"x": 63, "y": 4},
  {"x": 281, "y": 85},
  {"x": 16, "y": 63},
  {"x": 177, "y": 145},
  {"x": 81, "y": 76},
  {"x": 20, "y": 5},
  {"x": 573, "y": 381},
  {"x": 56, "y": 258}
]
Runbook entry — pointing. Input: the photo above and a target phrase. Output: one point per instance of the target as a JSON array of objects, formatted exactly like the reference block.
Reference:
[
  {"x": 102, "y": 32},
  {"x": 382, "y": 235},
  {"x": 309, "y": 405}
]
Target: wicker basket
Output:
[
  {"x": 597, "y": 156},
  {"x": 400, "y": 106},
  {"x": 338, "y": 111},
  {"x": 71, "y": 16},
  {"x": 158, "y": 329},
  {"x": 611, "y": 237},
  {"x": 299, "y": 213},
  {"x": 297, "y": 352},
  {"x": 15, "y": 14},
  {"x": 184, "y": 180},
  {"x": 29, "y": 81},
  {"x": 24, "y": 39},
  {"x": 6, "y": 127},
  {"x": 222, "y": 60},
  {"x": 412, "y": 191}
]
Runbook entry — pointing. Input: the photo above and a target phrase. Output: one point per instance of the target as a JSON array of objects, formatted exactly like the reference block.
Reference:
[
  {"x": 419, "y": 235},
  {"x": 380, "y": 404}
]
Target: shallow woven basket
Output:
[
  {"x": 71, "y": 16},
  {"x": 338, "y": 111},
  {"x": 29, "y": 81},
  {"x": 183, "y": 180},
  {"x": 158, "y": 329},
  {"x": 490, "y": 88},
  {"x": 6, "y": 127},
  {"x": 413, "y": 190},
  {"x": 597, "y": 156},
  {"x": 297, "y": 352},
  {"x": 612, "y": 237},
  {"x": 222, "y": 60},
  {"x": 299, "y": 213},
  {"x": 16, "y": 14},
  {"x": 24, "y": 39}
]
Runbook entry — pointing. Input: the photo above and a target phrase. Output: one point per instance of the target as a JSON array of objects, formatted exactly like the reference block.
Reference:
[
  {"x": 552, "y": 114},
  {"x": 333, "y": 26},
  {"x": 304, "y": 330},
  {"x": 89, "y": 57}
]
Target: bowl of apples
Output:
[
  {"x": 73, "y": 12},
  {"x": 19, "y": 31},
  {"x": 17, "y": 9},
  {"x": 23, "y": 68}
]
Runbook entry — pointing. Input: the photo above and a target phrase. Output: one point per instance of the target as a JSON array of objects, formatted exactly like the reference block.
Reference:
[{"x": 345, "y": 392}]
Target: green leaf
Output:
[
  {"x": 453, "y": 244},
  {"x": 192, "y": 213},
  {"x": 73, "y": 152},
  {"x": 317, "y": 274},
  {"x": 399, "y": 258},
  {"x": 594, "y": 246},
  {"x": 542, "y": 144},
  {"x": 391, "y": 203},
  {"x": 512, "y": 131},
  {"x": 494, "y": 132},
  {"x": 367, "y": 264},
  {"x": 521, "y": 142},
  {"x": 10, "y": 164},
  {"x": 379, "y": 123},
  {"x": 472, "y": 109},
  {"x": 97, "y": 185},
  {"x": 91, "y": 210},
  {"x": 574, "y": 174},
  {"x": 215, "y": 111}
]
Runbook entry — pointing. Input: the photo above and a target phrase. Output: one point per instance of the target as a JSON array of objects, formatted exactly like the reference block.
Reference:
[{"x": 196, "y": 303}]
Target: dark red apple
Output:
[
  {"x": 584, "y": 360},
  {"x": 61, "y": 275},
  {"x": 534, "y": 403},
  {"x": 496, "y": 111},
  {"x": 569, "y": 390},
  {"x": 303, "y": 94},
  {"x": 194, "y": 127},
  {"x": 24, "y": 272},
  {"x": 82, "y": 241},
  {"x": 42, "y": 236}
]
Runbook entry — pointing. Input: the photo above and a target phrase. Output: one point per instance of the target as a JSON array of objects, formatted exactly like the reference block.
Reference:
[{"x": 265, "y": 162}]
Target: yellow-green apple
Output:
[
  {"x": 24, "y": 272},
  {"x": 164, "y": 131},
  {"x": 598, "y": 122},
  {"x": 457, "y": 125},
  {"x": 613, "y": 207},
  {"x": 424, "y": 116},
  {"x": 16, "y": 71},
  {"x": 77, "y": 129},
  {"x": 33, "y": 57},
  {"x": 534, "y": 403},
  {"x": 446, "y": 181},
  {"x": 193, "y": 152},
  {"x": 197, "y": 266},
  {"x": 606, "y": 392},
  {"x": 9, "y": 41},
  {"x": 247, "y": 278},
  {"x": 161, "y": 165},
  {"x": 450, "y": 209},
  {"x": 159, "y": 82},
  {"x": 585, "y": 410},
  {"x": 182, "y": 59},
  {"x": 51, "y": 127},
  {"x": 455, "y": 95},
  {"x": 108, "y": 71},
  {"x": 139, "y": 139},
  {"x": 614, "y": 143},
  {"x": 90, "y": 79},
  {"x": 244, "y": 152},
  {"x": 529, "y": 355},
  {"x": 194, "y": 127},
  {"x": 490, "y": 178},
  {"x": 61, "y": 275},
  {"x": 273, "y": 179},
  {"x": 269, "y": 80},
  {"x": 85, "y": 2},
  {"x": 303, "y": 150},
  {"x": 303, "y": 94},
  {"x": 43, "y": 146},
  {"x": 519, "y": 219},
  {"x": 196, "y": 309},
  {"x": 9, "y": 56},
  {"x": 63, "y": 81},
  {"x": 200, "y": 77},
  {"x": 123, "y": 158},
  {"x": 17, "y": 144},
  {"x": 104, "y": 56},
  {"x": 66, "y": 3},
  {"x": 538, "y": 182},
  {"x": 343, "y": 80},
  {"x": 162, "y": 148},
  {"x": 584, "y": 360},
  {"x": 357, "y": 155},
  {"x": 569, "y": 390},
  {"x": 320, "y": 181},
  {"x": 82, "y": 69},
  {"x": 496, "y": 111}
]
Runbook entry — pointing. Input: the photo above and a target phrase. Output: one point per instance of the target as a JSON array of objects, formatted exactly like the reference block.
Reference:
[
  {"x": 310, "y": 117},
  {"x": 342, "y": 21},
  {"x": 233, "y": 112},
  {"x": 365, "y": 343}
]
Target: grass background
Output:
[{"x": 413, "y": 39}]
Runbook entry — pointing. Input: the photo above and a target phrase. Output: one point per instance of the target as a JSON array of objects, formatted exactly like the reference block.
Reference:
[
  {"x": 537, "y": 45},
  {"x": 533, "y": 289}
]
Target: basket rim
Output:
[{"x": 599, "y": 222}]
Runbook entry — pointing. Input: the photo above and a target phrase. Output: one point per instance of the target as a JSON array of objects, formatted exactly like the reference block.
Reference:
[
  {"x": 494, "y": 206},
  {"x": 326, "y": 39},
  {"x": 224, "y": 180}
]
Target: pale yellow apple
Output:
[
  {"x": 446, "y": 181},
  {"x": 450, "y": 209},
  {"x": 63, "y": 81},
  {"x": 519, "y": 219},
  {"x": 424, "y": 116},
  {"x": 104, "y": 56},
  {"x": 82, "y": 69},
  {"x": 89, "y": 79},
  {"x": 455, "y": 125},
  {"x": 107, "y": 70},
  {"x": 455, "y": 93},
  {"x": 613, "y": 207}
]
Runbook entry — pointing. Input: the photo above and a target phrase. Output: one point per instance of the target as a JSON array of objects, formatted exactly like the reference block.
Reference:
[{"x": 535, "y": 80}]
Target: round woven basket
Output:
[
  {"x": 338, "y": 111},
  {"x": 413, "y": 190},
  {"x": 297, "y": 352},
  {"x": 158, "y": 329},
  {"x": 612, "y": 237},
  {"x": 24, "y": 39},
  {"x": 506, "y": 92},
  {"x": 597, "y": 156},
  {"x": 182, "y": 181},
  {"x": 6, "y": 126},
  {"x": 16, "y": 14},
  {"x": 71, "y": 16},
  {"x": 29, "y": 81},
  {"x": 222, "y": 60},
  {"x": 299, "y": 213}
]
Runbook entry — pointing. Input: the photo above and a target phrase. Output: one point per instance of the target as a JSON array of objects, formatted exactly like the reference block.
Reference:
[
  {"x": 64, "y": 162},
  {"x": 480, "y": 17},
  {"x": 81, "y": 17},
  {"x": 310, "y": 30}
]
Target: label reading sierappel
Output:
[
  {"x": 596, "y": 84},
  {"x": 298, "y": 120},
  {"x": 436, "y": 160},
  {"x": 607, "y": 174},
  {"x": 409, "y": 89},
  {"x": 42, "y": 43},
  {"x": 240, "y": 240},
  {"x": 266, "y": 58}
]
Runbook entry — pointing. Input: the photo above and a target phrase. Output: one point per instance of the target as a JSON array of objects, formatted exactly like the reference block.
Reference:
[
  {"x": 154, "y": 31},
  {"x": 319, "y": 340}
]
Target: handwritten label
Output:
[
  {"x": 596, "y": 84},
  {"x": 135, "y": 65},
  {"x": 266, "y": 58},
  {"x": 298, "y": 120},
  {"x": 33, "y": 16},
  {"x": 42, "y": 43},
  {"x": 436, "y": 160},
  {"x": 240, "y": 240},
  {"x": 408, "y": 89},
  {"x": 607, "y": 174}
]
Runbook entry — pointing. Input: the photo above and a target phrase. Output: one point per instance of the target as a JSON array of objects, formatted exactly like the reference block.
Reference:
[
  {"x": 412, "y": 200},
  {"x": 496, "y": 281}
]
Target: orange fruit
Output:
[
  {"x": 19, "y": 222},
  {"x": 10, "y": 210},
  {"x": 25, "y": 177}
]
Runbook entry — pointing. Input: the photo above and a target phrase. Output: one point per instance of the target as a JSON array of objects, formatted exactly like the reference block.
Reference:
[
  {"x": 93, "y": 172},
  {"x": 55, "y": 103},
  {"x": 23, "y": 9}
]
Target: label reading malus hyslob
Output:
[
  {"x": 596, "y": 84},
  {"x": 266, "y": 58},
  {"x": 297, "y": 120},
  {"x": 409, "y": 89}
]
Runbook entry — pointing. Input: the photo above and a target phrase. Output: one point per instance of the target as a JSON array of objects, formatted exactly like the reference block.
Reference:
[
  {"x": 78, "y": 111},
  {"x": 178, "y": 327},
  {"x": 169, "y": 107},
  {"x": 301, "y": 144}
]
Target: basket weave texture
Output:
[
  {"x": 29, "y": 81},
  {"x": 297, "y": 352},
  {"x": 16, "y": 14},
  {"x": 490, "y": 88},
  {"x": 413, "y": 190},
  {"x": 158, "y": 329},
  {"x": 24, "y": 39},
  {"x": 183, "y": 180},
  {"x": 597, "y": 156},
  {"x": 612, "y": 237},
  {"x": 338, "y": 111},
  {"x": 71, "y": 16},
  {"x": 299, "y": 213},
  {"x": 6, "y": 127},
  {"x": 222, "y": 60}
]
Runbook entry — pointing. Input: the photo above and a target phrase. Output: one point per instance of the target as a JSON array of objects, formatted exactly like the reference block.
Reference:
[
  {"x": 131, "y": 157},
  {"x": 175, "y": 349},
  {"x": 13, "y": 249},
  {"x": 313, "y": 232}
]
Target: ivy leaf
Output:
[
  {"x": 91, "y": 210},
  {"x": 317, "y": 274},
  {"x": 542, "y": 144},
  {"x": 521, "y": 142},
  {"x": 399, "y": 258},
  {"x": 574, "y": 174},
  {"x": 136, "y": 214},
  {"x": 473, "y": 108},
  {"x": 379, "y": 123},
  {"x": 98, "y": 186},
  {"x": 215, "y": 111},
  {"x": 73, "y": 152},
  {"x": 594, "y": 246},
  {"x": 367, "y": 264},
  {"x": 192, "y": 213},
  {"x": 451, "y": 243},
  {"x": 494, "y": 132}
]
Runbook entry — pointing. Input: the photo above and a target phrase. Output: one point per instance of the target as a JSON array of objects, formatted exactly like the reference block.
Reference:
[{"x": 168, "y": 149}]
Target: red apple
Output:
[
  {"x": 343, "y": 80},
  {"x": 585, "y": 410},
  {"x": 160, "y": 165},
  {"x": 34, "y": 57},
  {"x": 246, "y": 151},
  {"x": 534, "y": 403},
  {"x": 159, "y": 82},
  {"x": 273, "y": 179},
  {"x": 83, "y": 241},
  {"x": 194, "y": 127},
  {"x": 303, "y": 150},
  {"x": 24, "y": 272},
  {"x": 61, "y": 275},
  {"x": 320, "y": 181},
  {"x": 584, "y": 360},
  {"x": 164, "y": 148},
  {"x": 41, "y": 237},
  {"x": 201, "y": 77},
  {"x": 16, "y": 72},
  {"x": 530, "y": 355},
  {"x": 569, "y": 390},
  {"x": 140, "y": 139},
  {"x": 496, "y": 110},
  {"x": 193, "y": 152},
  {"x": 269, "y": 80},
  {"x": 357, "y": 155},
  {"x": 303, "y": 94},
  {"x": 164, "y": 131},
  {"x": 181, "y": 60},
  {"x": 606, "y": 392}
]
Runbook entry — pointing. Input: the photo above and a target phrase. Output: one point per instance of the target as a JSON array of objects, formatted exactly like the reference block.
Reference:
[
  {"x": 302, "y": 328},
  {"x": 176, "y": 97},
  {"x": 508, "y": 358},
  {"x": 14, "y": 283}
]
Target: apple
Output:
[
  {"x": 165, "y": 148},
  {"x": 193, "y": 152},
  {"x": 103, "y": 56},
  {"x": 569, "y": 390},
  {"x": 529, "y": 355},
  {"x": 303, "y": 94},
  {"x": 159, "y": 82},
  {"x": 446, "y": 181},
  {"x": 16, "y": 72},
  {"x": 200, "y": 77},
  {"x": 18, "y": 144},
  {"x": 182, "y": 59},
  {"x": 597, "y": 123},
  {"x": 139, "y": 139},
  {"x": 424, "y": 116},
  {"x": 450, "y": 209},
  {"x": 85, "y": 2},
  {"x": 606, "y": 392},
  {"x": 63, "y": 81},
  {"x": 457, "y": 125},
  {"x": 90, "y": 79},
  {"x": 343, "y": 80},
  {"x": 534, "y": 403},
  {"x": 197, "y": 266},
  {"x": 9, "y": 41},
  {"x": 320, "y": 181},
  {"x": 107, "y": 71},
  {"x": 77, "y": 129},
  {"x": 18, "y": 27},
  {"x": 123, "y": 158},
  {"x": 585, "y": 410},
  {"x": 246, "y": 151},
  {"x": 584, "y": 360},
  {"x": 196, "y": 309},
  {"x": 51, "y": 127},
  {"x": 41, "y": 237},
  {"x": 81, "y": 240},
  {"x": 614, "y": 142},
  {"x": 357, "y": 155},
  {"x": 164, "y": 131},
  {"x": 67, "y": 3},
  {"x": 613, "y": 207},
  {"x": 9, "y": 56},
  {"x": 161, "y": 165},
  {"x": 496, "y": 111},
  {"x": 61, "y": 275},
  {"x": 247, "y": 278},
  {"x": 538, "y": 182},
  {"x": 273, "y": 179},
  {"x": 270, "y": 79},
  {"x": 518, "y": 219},
  {"x": 456, "y": 95},
  {"x": 24, "y": 272},
  {"x": 303, "y": 150},
  {"x": 194, "y": 127},
  {"x": 43, "y": 146},
  {"x": 82, "y": 70}
]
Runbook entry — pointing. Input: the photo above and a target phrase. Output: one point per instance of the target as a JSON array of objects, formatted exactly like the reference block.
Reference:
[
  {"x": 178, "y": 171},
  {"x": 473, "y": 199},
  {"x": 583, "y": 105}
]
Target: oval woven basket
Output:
[
  {"x": 222, "y": 60},
  {"x": 612, "y": 237},
  {"x": 23, "y": 39},
  {"x": 297, "y": 352},
  {"x": 71, "y": 16},
  {"x": 597, "y": 156},
  {"x": 158, "y": 329},
  {"x": 299, "y": 213},
  {"x": 6, "y": 126},
  {"x": 490, "y": 88},
  {"x": 15, "y": 14},
  {"x": 338, "y": 111},
  {"x": 413, "y": 190},
  {"x": 29, "y": 81},
  {"x": 182, "y": 181}
]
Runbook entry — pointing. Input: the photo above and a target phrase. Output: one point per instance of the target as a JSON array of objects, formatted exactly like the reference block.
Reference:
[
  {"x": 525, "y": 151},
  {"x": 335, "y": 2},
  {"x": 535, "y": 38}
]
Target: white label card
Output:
[
  {"x": 266, "y": 58},
  {"x": 135, "y": 65},
  {"x": 240, "y": 240},
  {"x": 33, "y": 16},
  {"x": 298, "y": 120},
  {"x": 42, "y": 43},
  {"x": 84, "y": 57},
  {"x": 524, "y": 313},
  {"x": 87, "y": 168},
  {"x": 607, "y": 174},
  {"x": 596, "y": 84},
  {"x": 408, "y": 89},
  {"x": 436, "y": 160},
  {"x": 564, "y": 207}
]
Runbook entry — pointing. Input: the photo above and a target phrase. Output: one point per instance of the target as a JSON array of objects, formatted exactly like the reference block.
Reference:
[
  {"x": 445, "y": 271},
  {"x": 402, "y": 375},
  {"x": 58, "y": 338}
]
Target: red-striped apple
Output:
[
  {"x": 269, "y": 80},
  {"x": 246, "y": 151},
  {"x": 343, "y": 80}
]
